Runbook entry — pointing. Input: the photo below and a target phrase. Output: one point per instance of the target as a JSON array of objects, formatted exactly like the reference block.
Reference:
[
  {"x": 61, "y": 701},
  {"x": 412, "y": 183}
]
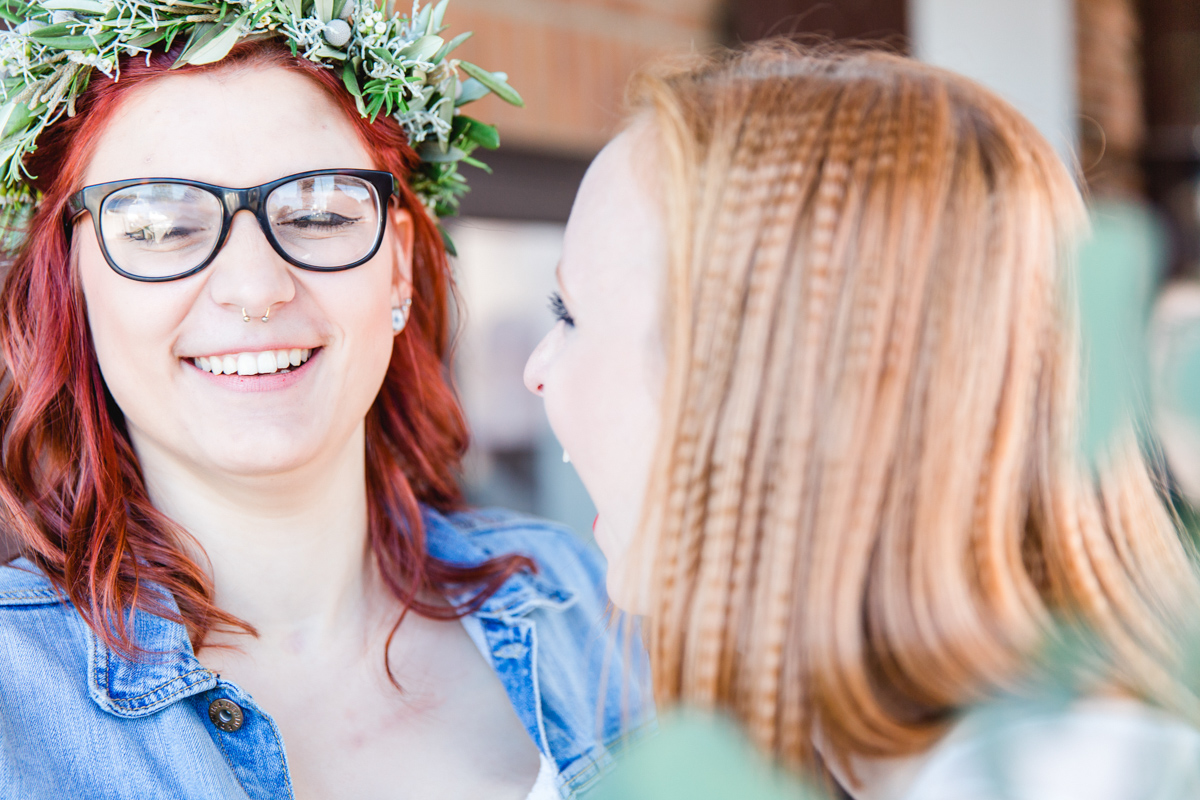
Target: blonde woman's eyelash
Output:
[{"x": 559, "y": 309}]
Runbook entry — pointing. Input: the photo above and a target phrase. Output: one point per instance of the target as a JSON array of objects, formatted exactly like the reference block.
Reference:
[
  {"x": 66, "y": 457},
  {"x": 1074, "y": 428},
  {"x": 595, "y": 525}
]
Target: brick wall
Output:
[
  {"x": 1112, "y": 128},
  {"x": 571, "y": 60}
]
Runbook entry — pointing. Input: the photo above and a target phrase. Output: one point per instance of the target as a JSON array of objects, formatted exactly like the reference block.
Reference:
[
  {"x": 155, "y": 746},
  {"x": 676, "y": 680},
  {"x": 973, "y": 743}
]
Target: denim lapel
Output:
[
  {"x": 166, "y": 673},
  {"x": 519, "y": 595},
  {"x": 125, "y": 687}
]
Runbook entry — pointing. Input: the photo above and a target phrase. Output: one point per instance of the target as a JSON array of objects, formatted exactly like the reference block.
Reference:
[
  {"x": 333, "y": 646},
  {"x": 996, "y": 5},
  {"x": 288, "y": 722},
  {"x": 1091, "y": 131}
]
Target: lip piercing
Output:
[{"x": 265, "y": 317}]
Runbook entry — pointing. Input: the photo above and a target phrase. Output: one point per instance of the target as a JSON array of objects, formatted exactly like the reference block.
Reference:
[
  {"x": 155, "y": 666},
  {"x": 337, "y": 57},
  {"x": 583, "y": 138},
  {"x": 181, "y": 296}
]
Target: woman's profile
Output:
[
  {"x": 818, "y": 364},
  {"x": 230, "y": 451}
]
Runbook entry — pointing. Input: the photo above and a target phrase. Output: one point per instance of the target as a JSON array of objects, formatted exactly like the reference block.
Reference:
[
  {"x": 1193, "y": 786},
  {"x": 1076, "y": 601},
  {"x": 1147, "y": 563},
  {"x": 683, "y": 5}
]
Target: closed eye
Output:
[
  {"x": 326, "y": 222},
  {"x": 319, "y": 224},
  {"x": 559, "y": 309},
  {"x": 158, "y": 234}
]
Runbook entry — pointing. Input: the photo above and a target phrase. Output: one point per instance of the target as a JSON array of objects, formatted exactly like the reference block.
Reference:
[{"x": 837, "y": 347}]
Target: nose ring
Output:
[{"x": 265, "y": 317}]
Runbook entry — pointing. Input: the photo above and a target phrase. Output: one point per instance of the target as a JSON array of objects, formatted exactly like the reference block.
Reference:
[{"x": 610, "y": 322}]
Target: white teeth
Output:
[
  {"x": 263, "y": 363},
  {"x": 247, "y": 364}
]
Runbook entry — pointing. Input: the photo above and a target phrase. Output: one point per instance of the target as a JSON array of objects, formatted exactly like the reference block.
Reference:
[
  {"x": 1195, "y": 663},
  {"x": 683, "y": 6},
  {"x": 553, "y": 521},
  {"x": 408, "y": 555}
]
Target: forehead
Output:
[
  {"x": 616, "y": 229},
  {"x": 232, "y": 128}
]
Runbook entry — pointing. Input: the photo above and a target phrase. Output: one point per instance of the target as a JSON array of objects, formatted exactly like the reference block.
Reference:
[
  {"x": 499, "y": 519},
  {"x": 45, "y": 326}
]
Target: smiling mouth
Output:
[{"x": 266, "y": 362}]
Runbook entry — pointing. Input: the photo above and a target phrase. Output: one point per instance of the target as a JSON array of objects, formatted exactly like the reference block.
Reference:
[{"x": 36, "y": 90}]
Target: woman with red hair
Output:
[{"x": 230, "y": 455}]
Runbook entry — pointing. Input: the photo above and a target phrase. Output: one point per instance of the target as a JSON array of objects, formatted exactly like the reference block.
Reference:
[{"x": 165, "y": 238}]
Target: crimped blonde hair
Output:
[{"x": 868, "y": 506}]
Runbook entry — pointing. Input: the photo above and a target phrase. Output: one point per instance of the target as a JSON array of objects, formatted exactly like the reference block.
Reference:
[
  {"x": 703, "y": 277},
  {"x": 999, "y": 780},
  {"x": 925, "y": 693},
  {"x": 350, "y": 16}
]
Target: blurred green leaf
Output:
[
  {"x": 350, "y": 81},
  {"x": 695, "y": 756},
  {"x": 1119, "y": 266},
  {"x": 439, "y": 12},
  {"x": 1183, "y": 383},
  {"x": 422, "y": 49},
  {"x": 450, "y": 46},
  {"x": 495, "y": 81},
  {"x": 470, "y": 91},
  {"x": 447, "y": 242}
]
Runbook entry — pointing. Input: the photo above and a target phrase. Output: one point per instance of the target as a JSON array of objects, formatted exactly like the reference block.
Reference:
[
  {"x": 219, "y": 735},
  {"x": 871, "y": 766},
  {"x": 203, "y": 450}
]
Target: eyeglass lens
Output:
[{"x": 158, "y": 230}]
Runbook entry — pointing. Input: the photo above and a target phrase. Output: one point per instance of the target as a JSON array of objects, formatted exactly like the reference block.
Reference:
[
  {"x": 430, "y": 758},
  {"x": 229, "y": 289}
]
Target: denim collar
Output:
[
  {"x": 169, "y": 671},
  {"x": 126, "y": 688},
  {"x": 448, "y": 539}
]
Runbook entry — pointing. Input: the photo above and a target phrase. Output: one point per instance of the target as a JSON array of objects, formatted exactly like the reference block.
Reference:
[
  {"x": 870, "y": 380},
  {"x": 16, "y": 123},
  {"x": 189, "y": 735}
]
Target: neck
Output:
[{"x": 288, "y": 552}]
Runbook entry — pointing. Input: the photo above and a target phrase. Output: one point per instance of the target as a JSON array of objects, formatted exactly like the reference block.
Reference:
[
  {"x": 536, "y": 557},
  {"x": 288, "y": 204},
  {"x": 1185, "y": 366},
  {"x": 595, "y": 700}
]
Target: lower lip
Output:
[{"x": 269, "y": 382}]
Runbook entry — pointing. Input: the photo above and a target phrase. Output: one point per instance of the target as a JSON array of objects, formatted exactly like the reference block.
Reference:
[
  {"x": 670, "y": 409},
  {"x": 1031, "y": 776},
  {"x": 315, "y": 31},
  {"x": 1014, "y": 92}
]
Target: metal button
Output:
[{"x": 225, "y": 714}]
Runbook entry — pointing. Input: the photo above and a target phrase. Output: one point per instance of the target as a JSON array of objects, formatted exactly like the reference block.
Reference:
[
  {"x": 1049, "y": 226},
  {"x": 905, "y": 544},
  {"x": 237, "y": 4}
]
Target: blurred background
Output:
[{"x": 1114, "y": 84}]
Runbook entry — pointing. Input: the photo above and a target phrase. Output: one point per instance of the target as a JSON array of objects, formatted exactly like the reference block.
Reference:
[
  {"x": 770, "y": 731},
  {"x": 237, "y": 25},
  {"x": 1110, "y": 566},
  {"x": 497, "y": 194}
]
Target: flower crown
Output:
[{"x": 392, "y": 65}]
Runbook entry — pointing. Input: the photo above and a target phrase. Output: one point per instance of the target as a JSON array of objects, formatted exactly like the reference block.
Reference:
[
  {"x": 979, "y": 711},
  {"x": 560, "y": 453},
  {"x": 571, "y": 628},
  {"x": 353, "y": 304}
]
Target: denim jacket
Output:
[{"x": 79, "y": 720}]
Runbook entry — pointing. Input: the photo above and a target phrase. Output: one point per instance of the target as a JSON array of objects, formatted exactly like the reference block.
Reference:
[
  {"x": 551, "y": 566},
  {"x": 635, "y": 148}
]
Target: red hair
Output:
[{"x": 72, "y": 487}]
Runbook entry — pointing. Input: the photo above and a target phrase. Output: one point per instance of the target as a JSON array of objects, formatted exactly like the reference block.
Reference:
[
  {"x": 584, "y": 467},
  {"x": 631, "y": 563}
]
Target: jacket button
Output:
[{"x": 225, "y": 714}]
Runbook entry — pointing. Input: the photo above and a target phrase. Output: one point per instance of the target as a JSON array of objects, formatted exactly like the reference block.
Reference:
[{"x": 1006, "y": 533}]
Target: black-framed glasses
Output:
[{"x": 163, "y": 229}]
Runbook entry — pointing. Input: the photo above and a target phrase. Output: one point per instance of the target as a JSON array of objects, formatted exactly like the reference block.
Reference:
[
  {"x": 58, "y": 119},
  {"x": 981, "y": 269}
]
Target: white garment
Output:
[
  {"x": 1097, "y": 749},
  {"x": 544, "y": 788}
]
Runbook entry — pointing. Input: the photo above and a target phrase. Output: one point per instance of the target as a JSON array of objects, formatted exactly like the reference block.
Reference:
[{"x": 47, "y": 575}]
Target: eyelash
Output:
[{"x": 559, "y": 309}]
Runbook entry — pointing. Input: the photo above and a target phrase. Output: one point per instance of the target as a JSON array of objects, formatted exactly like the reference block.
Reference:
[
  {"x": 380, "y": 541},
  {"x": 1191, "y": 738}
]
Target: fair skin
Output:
[
  {"x": 267, "y": 473},
  {"x": 600, "y": 372}
]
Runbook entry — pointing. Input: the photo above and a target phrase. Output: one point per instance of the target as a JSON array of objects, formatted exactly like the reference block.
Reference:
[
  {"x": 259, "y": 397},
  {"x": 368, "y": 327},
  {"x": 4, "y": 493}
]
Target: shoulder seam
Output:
[
  {"x": 31, "y": 597},
  {"x": 32, "y": 588},
  {"x": 525, "y": 523}
]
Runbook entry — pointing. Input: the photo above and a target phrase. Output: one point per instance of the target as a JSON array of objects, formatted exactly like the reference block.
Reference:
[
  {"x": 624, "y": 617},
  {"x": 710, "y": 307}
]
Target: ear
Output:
[{"x": 402, "y": 237}]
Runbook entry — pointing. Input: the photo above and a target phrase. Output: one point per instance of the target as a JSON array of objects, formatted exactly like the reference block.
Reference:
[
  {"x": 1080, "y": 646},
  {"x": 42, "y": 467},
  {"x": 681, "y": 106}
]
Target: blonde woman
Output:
[{"x": 818, "y": 365}]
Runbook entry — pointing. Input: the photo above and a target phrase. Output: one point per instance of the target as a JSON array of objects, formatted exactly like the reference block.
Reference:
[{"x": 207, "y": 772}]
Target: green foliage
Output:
[
  {"x": 695, "y": 756},
  {"x": 391, "y": 64},
  {"x": 1119, "y": 267}
]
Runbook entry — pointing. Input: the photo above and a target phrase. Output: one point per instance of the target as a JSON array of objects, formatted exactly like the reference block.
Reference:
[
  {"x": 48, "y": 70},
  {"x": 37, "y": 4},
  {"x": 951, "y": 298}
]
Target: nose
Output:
[
  {"x": 536, "y": 366},
  {"x": 247, "y": 273}
]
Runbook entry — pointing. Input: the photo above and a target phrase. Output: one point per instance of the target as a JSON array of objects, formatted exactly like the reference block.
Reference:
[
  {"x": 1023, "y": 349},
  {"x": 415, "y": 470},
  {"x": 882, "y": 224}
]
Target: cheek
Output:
[
  {"x": 601, "y": 398},
  {"x": 359, "y": 302},
  {"x": 582, "y": 401},
  {"x": 132, "y": 325}
]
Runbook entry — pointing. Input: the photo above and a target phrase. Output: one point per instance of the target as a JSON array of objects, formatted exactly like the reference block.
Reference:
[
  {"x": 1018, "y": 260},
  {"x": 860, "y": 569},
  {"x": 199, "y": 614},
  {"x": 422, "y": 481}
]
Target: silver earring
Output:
[{"x": 400, "y": 315}]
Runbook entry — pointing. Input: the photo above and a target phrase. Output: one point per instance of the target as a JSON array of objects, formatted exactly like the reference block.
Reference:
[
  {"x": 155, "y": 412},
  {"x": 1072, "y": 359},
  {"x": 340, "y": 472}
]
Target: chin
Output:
[
  {"x": 268, "y": 455},
  {"x": 257, "y": 467},
  {"x": 623, "y": 598},
  {"x": 255, "y": 452}
]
